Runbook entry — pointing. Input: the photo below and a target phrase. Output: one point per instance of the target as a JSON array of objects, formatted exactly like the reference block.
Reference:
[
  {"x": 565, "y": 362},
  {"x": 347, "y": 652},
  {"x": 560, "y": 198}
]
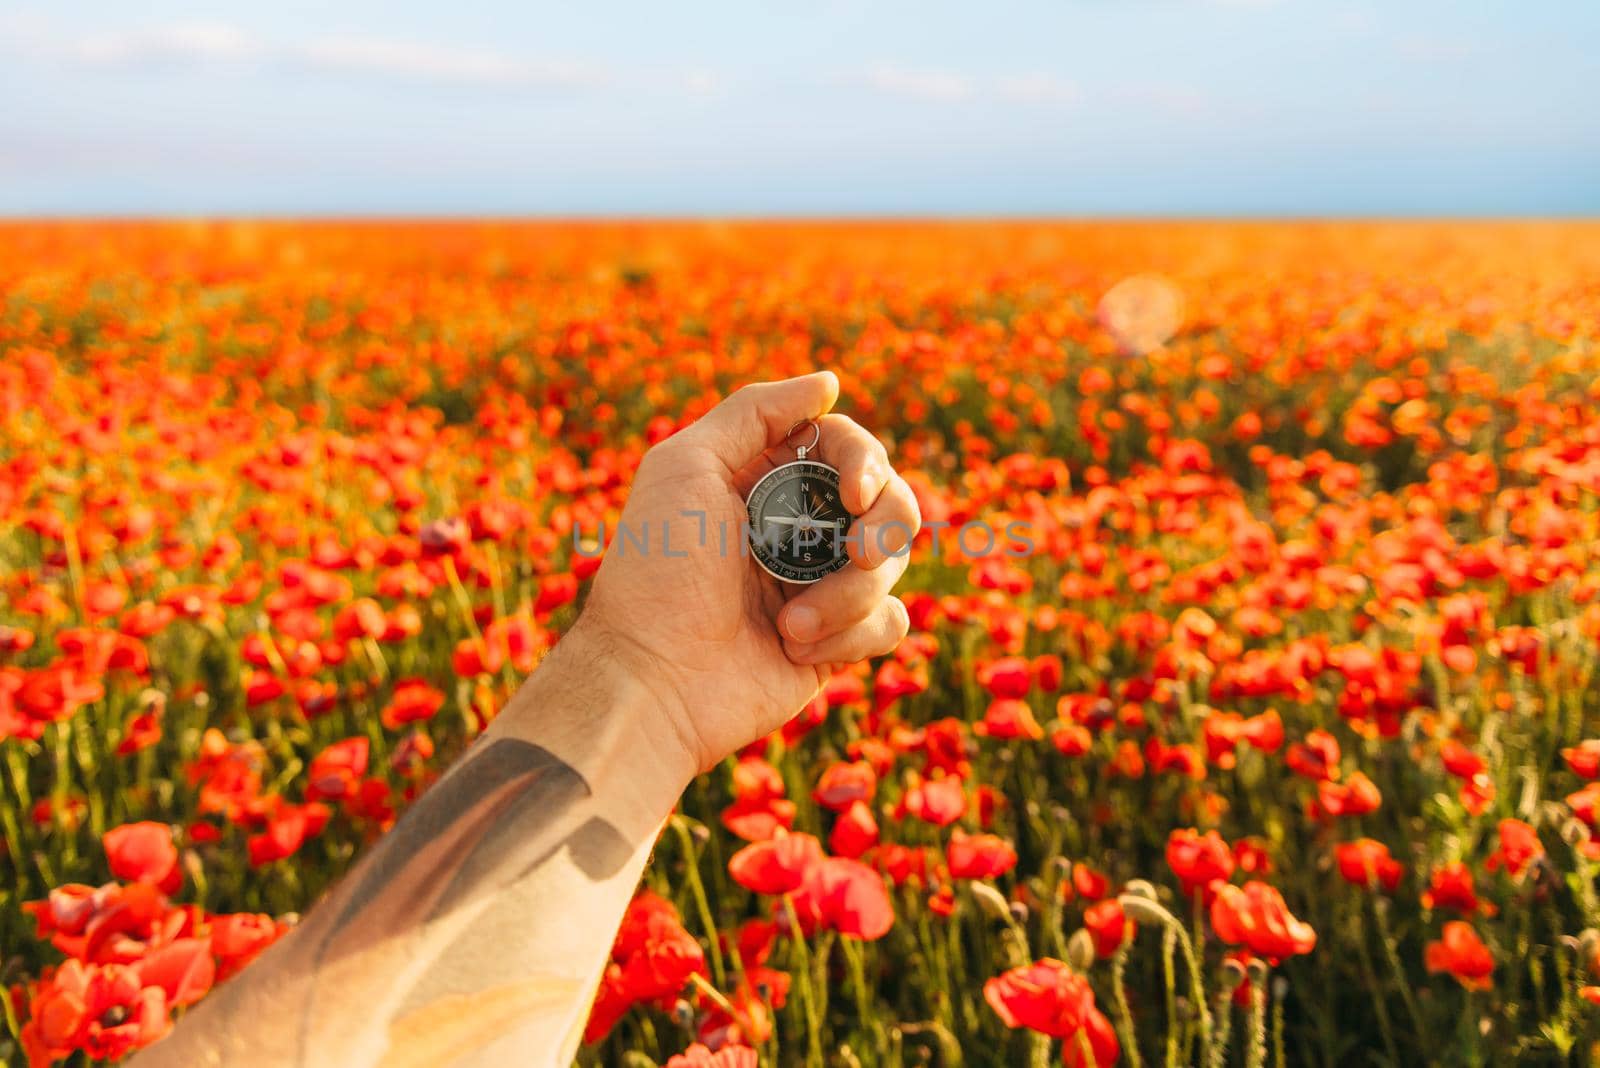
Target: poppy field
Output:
[{"x": 1277, "y": 743}]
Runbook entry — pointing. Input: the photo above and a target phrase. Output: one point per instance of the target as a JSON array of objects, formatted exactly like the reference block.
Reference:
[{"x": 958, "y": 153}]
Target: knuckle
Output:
[
  {"x": 649, "y": 462},
  {"x": 899, "y": 618},
  {"x": 905, "y": 502},
  {"x": 658, "y": 458},
  {"x": 752, "y": 397}
]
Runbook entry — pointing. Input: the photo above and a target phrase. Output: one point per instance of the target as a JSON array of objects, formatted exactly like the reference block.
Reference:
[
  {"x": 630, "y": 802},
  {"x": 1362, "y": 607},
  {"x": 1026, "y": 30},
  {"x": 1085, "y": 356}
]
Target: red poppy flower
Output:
[
  {"x": 1519, "y": 847},
  {"x": 903, "y": 864},
  {"x": 698, "y": 1056},
  {"x": 1585, "y": 803},
  {"x": 1460, "y": 952},
  {"x": 1181, "y": 759},
  {"x": 288, "y": 827},
  {"x": 1049, "y": 997},
  {"x": 937, "y": 801},
  {"x": 1108, "y": 926},
  {"x": 1071, "y": 739},
  {"x": 854, "y": 832},
  {"x": 183, "y": 969},
  {"x": 336, "y": 770},
  {"x": 1366, "y": 863},
  {"x": 756, "y": 821},
  {"x": 651, "y": 961},
  {"x": 1451, "y": 887},
  {"x": 412, "y": 700},
  {"x": 1357, "y": 796},
  {"x": 1198, "y": 859},
  {"x": 144, "y": 852},
  {"x": 101, "y": 1009},
  {"x": 1584, "y": 758},
  {"x": 979, "y": 856},
  {"x": 846, "y": 896},
  {"x": 1089, "y": 884},
  {"x": 777, "y": 865},
  {"x": 1460, "y": 761},
  {"x": 844, "y": 784},
  {"x": 1008, "y": 719},
  {"x": 238, "y": 938},
  {"x": 1251, "y": 856},
  {"x": 1008, "y": 677},
  {"x": 1047, "y": 672},
  {"x": 142, "y": 731},
  {"x": 1256, "y": 917},
  {"x": 1315, "y": 758},
  {"x": 1264, "y": 732}
]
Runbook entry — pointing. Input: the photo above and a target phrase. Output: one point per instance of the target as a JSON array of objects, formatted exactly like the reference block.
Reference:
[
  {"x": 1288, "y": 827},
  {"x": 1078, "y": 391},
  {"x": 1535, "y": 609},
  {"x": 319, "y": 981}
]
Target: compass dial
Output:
[{"x": 798, "y": 522}]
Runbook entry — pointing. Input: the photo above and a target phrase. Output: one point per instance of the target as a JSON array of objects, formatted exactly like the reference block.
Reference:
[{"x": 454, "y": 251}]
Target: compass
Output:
[{"x": 797, "y": 518}]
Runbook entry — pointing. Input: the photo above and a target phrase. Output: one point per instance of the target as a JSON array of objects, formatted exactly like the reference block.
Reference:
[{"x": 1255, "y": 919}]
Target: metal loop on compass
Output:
[{"x": 816, "y": 437}]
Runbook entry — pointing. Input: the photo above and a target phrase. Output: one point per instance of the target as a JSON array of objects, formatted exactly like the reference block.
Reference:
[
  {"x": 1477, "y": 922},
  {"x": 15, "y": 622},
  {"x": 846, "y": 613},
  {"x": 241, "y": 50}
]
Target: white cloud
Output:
[
  {"x": 359, "y": 55},
  {"x": 1437, "y": 49},
  {"x": 920, "y": 84},
  {"x": 437, "y": 63},
  {"x": 1045, "y": 89},
  {"x": 702, "y": 82},
  {"x": 192, "y": 41},
  {"x": 1036, "y": 89}
]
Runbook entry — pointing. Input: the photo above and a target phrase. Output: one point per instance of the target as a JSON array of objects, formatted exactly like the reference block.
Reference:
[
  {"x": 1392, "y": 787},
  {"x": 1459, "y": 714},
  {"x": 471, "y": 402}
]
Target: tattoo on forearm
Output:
[{"x": 493, "y": 821}]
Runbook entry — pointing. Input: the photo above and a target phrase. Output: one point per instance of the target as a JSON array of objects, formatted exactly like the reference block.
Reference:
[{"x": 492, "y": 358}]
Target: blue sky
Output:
[{"x": 1065, "y": 107}]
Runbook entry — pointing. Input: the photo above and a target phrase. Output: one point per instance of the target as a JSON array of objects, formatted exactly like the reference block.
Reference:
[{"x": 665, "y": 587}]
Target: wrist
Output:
[{"x": 591, "y": 706}]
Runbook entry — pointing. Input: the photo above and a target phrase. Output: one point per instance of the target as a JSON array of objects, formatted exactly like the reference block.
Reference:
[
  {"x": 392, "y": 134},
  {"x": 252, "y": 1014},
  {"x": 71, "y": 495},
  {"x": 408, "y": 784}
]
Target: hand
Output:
[{"x": 731, "y": 652}]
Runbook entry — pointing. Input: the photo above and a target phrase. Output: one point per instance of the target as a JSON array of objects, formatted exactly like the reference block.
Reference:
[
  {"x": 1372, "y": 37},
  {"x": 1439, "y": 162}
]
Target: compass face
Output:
[{"x": 798, "y": 522}]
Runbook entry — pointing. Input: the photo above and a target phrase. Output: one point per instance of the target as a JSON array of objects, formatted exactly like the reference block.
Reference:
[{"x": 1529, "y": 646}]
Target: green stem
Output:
[
  {"x": 702, "y": 904},
  {"x": 858, "y": 985},
  {"x": 1119, "y": 1001},
  {"x": 807, "y": 996},
  {"x": 1169, "y": 941},
  {"x": 1256, "y": 1054},
  {"x": 1392, "y": 955},
  {"x": 1224, "y": 1032}
]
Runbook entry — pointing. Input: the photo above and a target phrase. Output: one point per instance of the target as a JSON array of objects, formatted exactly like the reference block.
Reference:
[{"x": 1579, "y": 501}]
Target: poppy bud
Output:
[
  {"x": 1080, "y": 949},
  {"x": 1144, "y": 910},
  {"x": 991, "y": 901},
  {"x": 1233, "y": 974},
  {"x": 1140, "y": 888}
]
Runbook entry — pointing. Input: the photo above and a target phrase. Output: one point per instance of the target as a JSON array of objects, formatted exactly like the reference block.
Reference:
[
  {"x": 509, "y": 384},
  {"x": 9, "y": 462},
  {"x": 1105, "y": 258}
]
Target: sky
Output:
[{"x": 822, "y": 108}]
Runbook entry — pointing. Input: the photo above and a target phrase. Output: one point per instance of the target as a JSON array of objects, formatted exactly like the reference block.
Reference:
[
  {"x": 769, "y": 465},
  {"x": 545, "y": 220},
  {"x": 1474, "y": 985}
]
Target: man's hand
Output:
[
  {"x": 731, "y": 652},
  {"x": 476, "y": 930}
]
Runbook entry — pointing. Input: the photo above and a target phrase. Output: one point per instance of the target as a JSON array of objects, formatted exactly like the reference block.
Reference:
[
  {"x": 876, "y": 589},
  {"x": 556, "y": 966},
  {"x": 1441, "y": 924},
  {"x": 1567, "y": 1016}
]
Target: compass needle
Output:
[{"x": 802, "y": 496}]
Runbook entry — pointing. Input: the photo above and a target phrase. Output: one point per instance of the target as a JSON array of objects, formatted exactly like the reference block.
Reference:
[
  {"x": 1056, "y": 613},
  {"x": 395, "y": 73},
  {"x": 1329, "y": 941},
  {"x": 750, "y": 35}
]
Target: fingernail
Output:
[
  {"x": 870, "y": 487},
  {"x": 800, "y": 650},
  {"x": 869, "y": 546},
  {"x": 803, "y": 623}
]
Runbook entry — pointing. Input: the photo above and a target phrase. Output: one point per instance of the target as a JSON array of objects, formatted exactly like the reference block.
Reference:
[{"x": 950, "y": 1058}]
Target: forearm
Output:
[{"x": 476, "y": 930}]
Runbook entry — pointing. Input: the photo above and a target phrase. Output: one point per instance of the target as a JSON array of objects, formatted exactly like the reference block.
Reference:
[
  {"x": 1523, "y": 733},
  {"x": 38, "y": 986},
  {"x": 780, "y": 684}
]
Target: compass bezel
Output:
[{"x": 759, "y": 550}]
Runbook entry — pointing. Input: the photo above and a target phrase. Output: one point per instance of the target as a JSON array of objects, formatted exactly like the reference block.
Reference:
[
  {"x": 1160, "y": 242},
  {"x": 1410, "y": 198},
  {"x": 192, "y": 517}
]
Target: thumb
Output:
[{"x": 758, "y": 416}]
